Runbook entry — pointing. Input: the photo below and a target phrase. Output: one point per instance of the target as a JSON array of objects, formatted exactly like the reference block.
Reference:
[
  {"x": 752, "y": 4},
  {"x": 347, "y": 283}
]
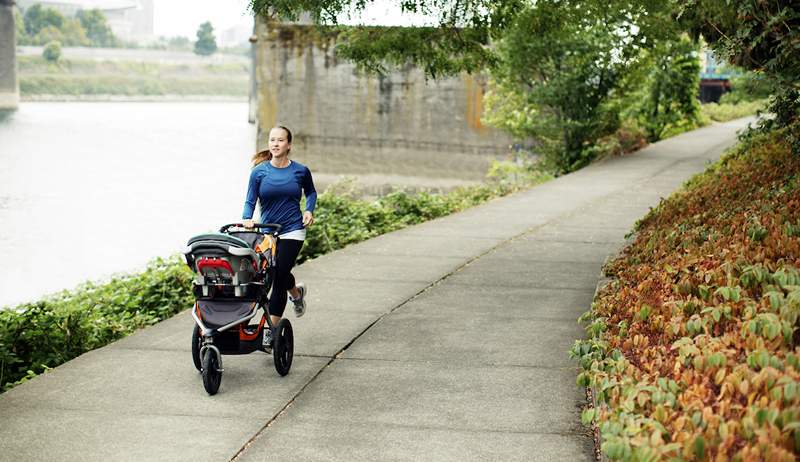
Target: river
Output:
[{"x": 91, "y": 189}]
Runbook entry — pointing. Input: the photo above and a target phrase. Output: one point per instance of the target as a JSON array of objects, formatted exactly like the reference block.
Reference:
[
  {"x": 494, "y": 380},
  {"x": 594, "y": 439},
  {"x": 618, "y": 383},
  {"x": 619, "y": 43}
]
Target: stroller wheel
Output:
[
  {"x": 212, "y": 376},
  {"x": 196, "y": 342},
  {"x": 283, "y": 349}
]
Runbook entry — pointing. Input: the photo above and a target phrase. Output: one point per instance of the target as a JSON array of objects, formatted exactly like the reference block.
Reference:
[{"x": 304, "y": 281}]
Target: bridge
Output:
[{"x": 9, "y": 85}]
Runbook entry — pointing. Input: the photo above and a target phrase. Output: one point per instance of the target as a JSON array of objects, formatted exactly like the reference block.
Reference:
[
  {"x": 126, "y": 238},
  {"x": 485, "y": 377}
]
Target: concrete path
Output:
[{"x": 443, "y": 341}]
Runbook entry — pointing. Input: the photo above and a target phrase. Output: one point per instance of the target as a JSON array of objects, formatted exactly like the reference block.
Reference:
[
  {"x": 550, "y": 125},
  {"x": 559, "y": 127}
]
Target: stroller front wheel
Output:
[{"x": 212, "y": 375}]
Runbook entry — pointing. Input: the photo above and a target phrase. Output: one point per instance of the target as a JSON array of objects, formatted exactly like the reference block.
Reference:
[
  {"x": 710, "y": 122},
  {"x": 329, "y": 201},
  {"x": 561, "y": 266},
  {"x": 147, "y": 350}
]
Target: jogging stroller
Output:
[{"x": 234, "y": 270}]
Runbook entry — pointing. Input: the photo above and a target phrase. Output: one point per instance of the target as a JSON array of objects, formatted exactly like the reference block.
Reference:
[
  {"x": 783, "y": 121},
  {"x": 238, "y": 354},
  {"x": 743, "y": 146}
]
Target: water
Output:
[{"x": 91, "y": 189}]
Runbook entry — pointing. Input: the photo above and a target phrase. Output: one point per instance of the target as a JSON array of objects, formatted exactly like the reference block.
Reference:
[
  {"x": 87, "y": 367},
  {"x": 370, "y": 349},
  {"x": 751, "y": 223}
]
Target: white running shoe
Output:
[{"x": 300, "y": 302}]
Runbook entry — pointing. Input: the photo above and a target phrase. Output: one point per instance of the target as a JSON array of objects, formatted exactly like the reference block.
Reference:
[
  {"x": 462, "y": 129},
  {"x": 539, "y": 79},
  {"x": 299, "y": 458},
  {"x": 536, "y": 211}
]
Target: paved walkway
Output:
[{"x": 444, "y": 341}]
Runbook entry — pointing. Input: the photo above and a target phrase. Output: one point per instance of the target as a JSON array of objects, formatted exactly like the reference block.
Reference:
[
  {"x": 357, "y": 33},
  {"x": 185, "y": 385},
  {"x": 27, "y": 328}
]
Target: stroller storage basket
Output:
[{"x": 217, "y": 313}]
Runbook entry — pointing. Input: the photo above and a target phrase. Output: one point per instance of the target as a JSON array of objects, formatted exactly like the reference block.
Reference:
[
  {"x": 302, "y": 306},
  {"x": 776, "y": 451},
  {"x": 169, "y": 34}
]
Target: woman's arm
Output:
[
  {"x": 311, "y": 198},
  {"x": 309, "y": 191},
  {"x": 252, "y": 194}
]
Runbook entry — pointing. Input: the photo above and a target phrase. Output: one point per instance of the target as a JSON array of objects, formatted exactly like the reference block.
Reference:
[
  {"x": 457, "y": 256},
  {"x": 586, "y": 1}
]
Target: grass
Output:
[
  {"x": 87, "y": 77},
  {"x": 725, "y": 112}
]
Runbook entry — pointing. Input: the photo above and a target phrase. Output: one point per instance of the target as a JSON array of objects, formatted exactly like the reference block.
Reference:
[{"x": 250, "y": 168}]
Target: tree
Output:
[
  {"x": 671, "y": 89},
  {"x": 556, "y": 65},
  {"x": 758, "y": 35},
  {"x": 37, "y": 18},
  {"x": 206, "y": 43},
  {"x": 462, "y": 40},
  {"x": 19, "y": 21},
  {"x": 97, "y": 29}
]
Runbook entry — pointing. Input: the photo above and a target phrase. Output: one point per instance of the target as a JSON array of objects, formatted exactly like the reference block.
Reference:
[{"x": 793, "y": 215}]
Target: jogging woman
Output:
[{"x": 277, "y": 183}]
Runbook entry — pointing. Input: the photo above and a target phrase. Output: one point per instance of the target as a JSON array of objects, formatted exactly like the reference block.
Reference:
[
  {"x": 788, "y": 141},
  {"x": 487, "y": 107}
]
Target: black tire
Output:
[
  {"x": 283, "y": 346},
  {"x": 197, "y": 342},
  {"x": 212, "y": 377}
]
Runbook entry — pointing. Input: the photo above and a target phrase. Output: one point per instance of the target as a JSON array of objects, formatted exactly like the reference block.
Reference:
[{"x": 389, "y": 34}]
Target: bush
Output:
[
  {"x": 343, "y": 219},
  {"x": 726, "y": 112},
  {"x": 35, "y": 337},
  {"x": 672, "y": 88},
  {"x": 693, "y": 346},
  {"x": 748, "y": 87},
  {"x": 52, "y": 51},
  {"x": 43, "y": 334}
]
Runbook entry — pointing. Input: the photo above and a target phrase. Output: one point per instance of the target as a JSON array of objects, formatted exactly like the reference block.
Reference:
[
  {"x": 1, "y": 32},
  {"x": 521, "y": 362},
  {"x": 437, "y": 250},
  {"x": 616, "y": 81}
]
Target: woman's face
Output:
[{"x": 279, "y": 144}]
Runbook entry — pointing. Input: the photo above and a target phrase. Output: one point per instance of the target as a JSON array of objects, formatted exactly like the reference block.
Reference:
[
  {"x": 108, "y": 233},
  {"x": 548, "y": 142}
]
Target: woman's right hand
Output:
[{"x": 248, "y": 223}]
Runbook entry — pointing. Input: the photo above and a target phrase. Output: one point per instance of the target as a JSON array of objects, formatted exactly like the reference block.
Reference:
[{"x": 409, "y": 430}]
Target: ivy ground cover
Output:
[{"x": 692, "y": 351}]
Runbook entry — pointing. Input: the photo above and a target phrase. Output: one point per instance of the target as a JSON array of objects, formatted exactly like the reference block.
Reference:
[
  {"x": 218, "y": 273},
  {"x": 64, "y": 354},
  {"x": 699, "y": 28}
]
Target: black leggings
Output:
[{"x": 288, "y": 249}]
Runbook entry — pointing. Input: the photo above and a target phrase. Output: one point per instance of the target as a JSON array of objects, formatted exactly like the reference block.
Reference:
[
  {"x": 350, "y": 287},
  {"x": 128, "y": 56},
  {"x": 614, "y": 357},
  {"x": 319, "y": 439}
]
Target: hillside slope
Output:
[{"x": 693, "y": 348}]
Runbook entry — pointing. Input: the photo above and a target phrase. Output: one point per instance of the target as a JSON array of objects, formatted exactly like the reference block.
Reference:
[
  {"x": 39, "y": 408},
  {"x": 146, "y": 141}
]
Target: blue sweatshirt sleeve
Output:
[
  {"x": 252, "y": 195},
  {"x": 309, "y": 191}
]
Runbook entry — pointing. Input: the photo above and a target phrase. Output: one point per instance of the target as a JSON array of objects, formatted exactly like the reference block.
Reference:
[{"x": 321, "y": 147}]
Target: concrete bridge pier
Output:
[{"x": 9, "y": 85}]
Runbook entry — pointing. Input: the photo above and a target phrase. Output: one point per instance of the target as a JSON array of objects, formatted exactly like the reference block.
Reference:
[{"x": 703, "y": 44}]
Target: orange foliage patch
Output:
[{"x": 693, "y": 346}]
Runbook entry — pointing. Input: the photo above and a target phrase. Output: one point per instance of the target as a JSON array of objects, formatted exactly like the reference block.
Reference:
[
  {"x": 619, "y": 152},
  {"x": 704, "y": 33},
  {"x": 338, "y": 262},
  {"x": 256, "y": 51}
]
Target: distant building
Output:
[
  {"x": 130, "y": 20},
  {"x": 235, "y": 36},
  {"x": 715, "y": 78}
]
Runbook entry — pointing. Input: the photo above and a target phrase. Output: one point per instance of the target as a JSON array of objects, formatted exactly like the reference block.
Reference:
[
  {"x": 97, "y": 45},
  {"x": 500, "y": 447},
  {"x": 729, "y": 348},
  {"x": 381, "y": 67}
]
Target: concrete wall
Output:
[
  {"x": 9, "y": 85},
  {"x": 351, "y": 123}
]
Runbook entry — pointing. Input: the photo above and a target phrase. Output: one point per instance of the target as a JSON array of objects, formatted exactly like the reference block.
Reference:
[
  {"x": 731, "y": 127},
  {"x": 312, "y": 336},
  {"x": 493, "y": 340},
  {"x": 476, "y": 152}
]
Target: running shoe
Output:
[
  {"x": 266, "y": 340},
  {"x": 300, "y": 302}
]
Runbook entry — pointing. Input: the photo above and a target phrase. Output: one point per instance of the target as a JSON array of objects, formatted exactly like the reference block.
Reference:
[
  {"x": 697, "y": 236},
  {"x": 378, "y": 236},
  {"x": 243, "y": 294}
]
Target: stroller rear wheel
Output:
[
  {"x": 283, "y": 350},
  {"x": 197, "y": 341},
  {"x": 212, "y": 376}
]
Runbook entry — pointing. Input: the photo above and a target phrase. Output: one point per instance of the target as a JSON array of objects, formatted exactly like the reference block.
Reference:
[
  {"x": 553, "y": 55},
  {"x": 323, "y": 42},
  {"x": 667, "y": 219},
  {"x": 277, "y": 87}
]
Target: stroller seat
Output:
[{"x": 225, "y": 265}]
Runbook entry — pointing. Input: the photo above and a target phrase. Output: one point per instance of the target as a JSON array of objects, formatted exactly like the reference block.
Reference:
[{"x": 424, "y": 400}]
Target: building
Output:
[
  {"x": 130, "y": 20},
  {"x": 715, "y": 79}
]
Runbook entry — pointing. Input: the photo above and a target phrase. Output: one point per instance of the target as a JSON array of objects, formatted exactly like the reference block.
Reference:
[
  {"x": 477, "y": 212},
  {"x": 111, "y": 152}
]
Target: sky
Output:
[{"x": 183, "y": 17}]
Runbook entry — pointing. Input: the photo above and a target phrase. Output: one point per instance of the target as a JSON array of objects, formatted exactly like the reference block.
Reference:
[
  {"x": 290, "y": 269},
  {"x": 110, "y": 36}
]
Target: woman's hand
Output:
[
  {"x": 308, "y": 218},
  {"x": 248, "y": 223}
]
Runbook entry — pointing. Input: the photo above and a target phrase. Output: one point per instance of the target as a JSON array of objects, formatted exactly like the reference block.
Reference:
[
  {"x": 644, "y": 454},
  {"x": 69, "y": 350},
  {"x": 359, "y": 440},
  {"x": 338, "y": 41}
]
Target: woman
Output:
[{"x": 277, "y": 183}]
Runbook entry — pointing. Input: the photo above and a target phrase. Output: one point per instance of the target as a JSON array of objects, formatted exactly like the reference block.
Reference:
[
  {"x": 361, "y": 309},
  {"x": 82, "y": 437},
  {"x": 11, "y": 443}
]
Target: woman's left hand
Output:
[{"x": 308, "y": 218}]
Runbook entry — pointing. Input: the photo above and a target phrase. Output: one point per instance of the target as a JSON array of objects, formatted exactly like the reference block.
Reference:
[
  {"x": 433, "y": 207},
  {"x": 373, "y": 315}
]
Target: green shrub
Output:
[
  {"x": 672, "y": 88},
  {"x": 726, "y": 112},
  {"x": 43, "y": 334},
  {"x": 748, "y": 87},
  {"x": 342, "y": 219},
  {"x": 52, "y": 51}
]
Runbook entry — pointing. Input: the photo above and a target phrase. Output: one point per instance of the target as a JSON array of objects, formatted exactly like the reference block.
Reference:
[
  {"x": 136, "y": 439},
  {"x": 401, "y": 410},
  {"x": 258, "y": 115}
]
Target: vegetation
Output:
[
  {"x": 37, "y": 336},
  {"x": 40, "y": 335},
  {"x": 692, "y": 346},
  {"x": 759, "y": 36},
  {"x": 692, "y": 349},
  {"x": 85, "y": 77},
  {"x": 671, "y": 89},
  {"x": 40, "y": 25},
  {"x": 724, "y": 112},
  {"x": 97, "y": 30},
  {"x": 206, "y": 43},
  {"x": 52, "y": 51}
]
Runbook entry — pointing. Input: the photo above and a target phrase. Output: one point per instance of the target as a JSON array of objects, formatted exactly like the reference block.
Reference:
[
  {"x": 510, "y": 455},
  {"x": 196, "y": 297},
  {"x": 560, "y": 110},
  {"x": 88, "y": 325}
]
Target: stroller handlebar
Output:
[{"x": 275, "y": 227}]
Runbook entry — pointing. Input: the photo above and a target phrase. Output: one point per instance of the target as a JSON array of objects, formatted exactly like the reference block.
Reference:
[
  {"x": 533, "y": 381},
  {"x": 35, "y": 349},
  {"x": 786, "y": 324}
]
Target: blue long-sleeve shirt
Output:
[{"x": 279, "y": 191}]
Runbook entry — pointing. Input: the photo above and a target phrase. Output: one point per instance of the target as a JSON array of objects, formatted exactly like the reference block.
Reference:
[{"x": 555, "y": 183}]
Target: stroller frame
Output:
[{"x": 233, "y": 277}]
